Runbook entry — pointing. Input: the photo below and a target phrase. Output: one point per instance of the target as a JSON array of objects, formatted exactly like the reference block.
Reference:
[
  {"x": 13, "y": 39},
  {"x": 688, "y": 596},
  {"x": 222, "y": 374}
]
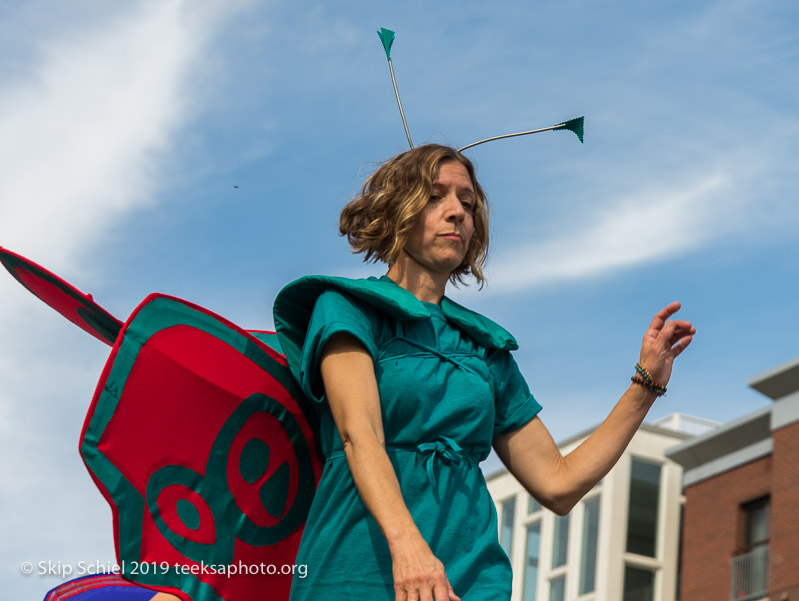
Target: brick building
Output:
[{"x": 740, "y": 529}]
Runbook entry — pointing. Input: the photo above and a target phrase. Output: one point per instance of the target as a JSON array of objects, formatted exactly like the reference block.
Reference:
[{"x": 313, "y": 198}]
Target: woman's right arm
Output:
[{"x": 349, "y": 379}]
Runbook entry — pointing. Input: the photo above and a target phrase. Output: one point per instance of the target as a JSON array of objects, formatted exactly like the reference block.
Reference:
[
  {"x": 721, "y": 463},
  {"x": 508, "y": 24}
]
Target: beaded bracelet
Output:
[
  {"x": 643, "y": 371},
  {"x": 658, "y": 390}
]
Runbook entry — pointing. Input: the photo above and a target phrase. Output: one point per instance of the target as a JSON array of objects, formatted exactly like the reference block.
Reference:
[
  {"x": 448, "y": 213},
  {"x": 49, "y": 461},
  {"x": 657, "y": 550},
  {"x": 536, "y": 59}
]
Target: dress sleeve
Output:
[
  {"x": 514, "y": 403},
  {"x": 334, "y": 312}
]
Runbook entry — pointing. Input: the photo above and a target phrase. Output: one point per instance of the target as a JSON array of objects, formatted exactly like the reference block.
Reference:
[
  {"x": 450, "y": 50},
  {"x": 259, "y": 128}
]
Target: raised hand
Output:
[{"x": 663, "y": 342}]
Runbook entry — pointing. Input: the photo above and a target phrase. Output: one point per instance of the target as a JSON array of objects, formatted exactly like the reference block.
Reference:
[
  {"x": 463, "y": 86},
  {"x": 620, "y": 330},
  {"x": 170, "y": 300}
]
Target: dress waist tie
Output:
[
  {"x": 448, "y": 450},
  {"x": 444, "y": 448}
]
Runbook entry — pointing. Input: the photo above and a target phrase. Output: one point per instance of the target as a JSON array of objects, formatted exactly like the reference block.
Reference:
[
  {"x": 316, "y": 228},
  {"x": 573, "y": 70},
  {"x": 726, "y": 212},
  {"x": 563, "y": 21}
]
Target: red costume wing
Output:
[
  {"x": 77, "y": 307},
  {"x": 205, "y": 449}
]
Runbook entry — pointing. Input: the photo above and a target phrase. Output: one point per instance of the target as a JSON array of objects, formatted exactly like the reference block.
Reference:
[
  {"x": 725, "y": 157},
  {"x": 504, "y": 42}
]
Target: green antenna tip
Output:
[
  {"x": 387, "y": 37},
  {"x": 576, "y": 125}
]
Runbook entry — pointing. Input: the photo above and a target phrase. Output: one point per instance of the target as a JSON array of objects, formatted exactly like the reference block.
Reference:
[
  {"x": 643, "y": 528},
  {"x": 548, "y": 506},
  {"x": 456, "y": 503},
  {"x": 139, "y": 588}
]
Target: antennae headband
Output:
[{"x": 576, "y": 125}]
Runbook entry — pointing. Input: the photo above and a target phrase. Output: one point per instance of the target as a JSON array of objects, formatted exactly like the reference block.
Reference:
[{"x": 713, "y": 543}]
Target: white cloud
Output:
[
  {"x": 653, "y": 225},
  {"x": 79, "y": 140}
]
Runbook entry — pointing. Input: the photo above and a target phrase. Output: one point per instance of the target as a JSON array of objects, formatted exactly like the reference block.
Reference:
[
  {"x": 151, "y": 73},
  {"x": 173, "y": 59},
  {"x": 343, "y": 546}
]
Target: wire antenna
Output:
[
  {"x": 387, "y": 38},
  {"x": 575, "y": 125}
]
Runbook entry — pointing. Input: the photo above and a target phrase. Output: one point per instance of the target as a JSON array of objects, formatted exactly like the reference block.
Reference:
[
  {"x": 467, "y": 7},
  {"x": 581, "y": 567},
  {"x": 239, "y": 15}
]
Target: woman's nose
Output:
[{"x": 455, "y": 209}]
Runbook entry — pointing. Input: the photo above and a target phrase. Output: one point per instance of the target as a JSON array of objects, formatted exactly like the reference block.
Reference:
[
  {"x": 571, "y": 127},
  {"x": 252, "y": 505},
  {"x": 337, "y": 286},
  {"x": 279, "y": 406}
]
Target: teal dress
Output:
[{"x": 448, "y": 385}]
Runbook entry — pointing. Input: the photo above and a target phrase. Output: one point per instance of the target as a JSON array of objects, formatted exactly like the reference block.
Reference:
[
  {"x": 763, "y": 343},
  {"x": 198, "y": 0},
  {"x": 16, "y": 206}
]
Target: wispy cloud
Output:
[
  {"x": 80, "y": 138},
  {"x": 654, "y": 225}
]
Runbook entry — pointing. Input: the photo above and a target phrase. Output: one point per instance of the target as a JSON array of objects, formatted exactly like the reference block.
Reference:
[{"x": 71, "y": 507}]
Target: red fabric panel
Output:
[
  {"x": 79, "y": 308},
  {"x": 175, "y": 403}
]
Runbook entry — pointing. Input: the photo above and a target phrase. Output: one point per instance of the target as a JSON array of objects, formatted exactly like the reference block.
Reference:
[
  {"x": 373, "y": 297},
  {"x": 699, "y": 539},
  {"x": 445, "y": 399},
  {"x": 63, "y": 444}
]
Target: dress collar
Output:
[
  {"x": 294, "y": 305},
  {"x": 485, "y": 331}
]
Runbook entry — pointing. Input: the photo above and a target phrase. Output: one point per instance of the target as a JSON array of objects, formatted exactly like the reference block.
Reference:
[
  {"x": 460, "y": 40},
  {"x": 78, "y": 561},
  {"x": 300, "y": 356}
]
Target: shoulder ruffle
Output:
[
  {"x": 294, "y": 305},
  {"x": 484, "y": 331}
]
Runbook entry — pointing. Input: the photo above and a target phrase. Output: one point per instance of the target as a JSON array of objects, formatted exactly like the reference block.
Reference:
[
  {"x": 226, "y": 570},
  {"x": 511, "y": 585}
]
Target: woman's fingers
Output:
[
  {"x": 409, "y": 595},
  {"x": 681, "y": 345},
  {"x": 667, "y": 330},
  {"x": 681, "y": 332},
  {"x": 441, "y": 591},
  {"x": 421, "y": 581},
  {"x": 674, "y": 331},
  {"x": 664, "y": 341},
  {"x": 452, "y": 595},
  {"x": 663, "y": 315}
]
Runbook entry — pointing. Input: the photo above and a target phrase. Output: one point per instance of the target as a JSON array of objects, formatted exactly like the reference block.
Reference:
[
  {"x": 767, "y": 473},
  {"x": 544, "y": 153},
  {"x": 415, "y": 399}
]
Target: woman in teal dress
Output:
[{"x": 413, "y": 390}]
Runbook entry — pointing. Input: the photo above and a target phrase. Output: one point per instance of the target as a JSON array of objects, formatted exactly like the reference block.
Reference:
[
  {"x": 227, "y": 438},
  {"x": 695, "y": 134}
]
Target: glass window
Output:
[
  {"x": 561, "y": 543},
  {"x": 533, "y": 505},
  {"x": 756, "y": 522},
  {"x": 642, "y": 519},
  {"x": 589, "y": 548},
  {"x": 557, "y": 589},
  {"x": 506, "y": 532},
  {"x": 530, "y": 582},
  {"x": 639, "y": 584}
]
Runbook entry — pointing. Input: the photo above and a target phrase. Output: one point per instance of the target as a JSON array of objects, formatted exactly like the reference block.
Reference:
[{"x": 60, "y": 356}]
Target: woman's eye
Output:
[{"x": 435, "y": 198}]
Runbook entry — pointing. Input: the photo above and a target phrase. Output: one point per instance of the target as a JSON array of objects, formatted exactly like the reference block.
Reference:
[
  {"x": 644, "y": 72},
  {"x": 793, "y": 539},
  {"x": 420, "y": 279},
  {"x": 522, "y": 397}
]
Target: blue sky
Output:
[{"x": 125, "y": 127}]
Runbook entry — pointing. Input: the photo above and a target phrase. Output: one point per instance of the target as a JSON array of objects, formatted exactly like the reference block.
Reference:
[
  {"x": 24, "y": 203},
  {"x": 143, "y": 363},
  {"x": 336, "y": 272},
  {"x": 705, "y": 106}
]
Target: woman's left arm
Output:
[{"x": 559, "y": 482}]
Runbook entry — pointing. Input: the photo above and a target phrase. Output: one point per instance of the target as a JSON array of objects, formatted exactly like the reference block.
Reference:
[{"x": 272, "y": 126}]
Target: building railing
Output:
[
  {"x": 687, "y": 424},
  {"x": 750, "y": 574}
]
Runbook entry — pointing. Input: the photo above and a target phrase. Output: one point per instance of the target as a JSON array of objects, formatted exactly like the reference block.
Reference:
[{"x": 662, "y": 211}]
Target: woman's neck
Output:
[{"x": 424, "y": 285}]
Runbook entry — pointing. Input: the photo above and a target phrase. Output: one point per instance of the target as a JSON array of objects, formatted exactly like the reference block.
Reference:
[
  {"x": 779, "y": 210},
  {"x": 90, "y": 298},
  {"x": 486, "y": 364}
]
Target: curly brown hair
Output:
[{"x": 377, "y": 221}]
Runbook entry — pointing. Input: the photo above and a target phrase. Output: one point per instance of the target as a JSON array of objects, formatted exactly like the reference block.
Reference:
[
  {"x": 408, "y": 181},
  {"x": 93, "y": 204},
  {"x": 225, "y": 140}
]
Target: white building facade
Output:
[{"x": 619, "y": 543}]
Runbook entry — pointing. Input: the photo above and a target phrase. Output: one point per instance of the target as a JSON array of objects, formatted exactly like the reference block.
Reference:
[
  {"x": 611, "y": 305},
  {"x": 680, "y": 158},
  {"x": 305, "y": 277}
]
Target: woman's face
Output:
[{"x": 440, "y": 238}]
